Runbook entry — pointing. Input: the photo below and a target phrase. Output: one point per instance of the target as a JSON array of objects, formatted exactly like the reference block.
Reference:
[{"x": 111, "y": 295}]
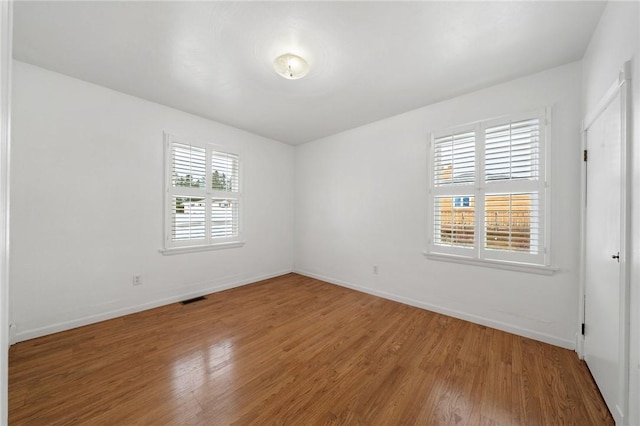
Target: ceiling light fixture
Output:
[{"x": 290, "y": 66}]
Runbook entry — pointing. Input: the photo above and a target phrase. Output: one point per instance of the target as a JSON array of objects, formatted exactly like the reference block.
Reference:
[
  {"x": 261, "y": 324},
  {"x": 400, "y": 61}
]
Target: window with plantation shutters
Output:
[
  {"x": 488, "y": 191},
  {"x": 203, "y": 196}
]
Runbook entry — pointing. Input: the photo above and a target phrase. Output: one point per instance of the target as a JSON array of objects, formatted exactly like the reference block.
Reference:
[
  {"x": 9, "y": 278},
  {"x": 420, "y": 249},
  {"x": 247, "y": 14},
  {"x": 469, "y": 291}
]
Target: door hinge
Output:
[
  {"x": 582, "y": 329},
  {"x": 584, "y": 155}
]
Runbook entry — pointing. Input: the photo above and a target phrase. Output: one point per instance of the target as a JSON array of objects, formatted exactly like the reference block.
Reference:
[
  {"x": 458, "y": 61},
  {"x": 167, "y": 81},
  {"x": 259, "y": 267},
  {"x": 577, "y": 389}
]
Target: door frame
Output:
[
  {"x": 622, "y": 87},
  {"x": 6, "y": 23}
]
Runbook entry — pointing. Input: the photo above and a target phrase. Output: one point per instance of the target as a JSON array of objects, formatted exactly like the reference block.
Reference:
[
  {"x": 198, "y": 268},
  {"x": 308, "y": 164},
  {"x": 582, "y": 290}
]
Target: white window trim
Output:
[
  {"x": 496, "y": 264},
  {"x": 477, "y": 255},
  {"x": 205, "y": 247},
  {"x": 171, "y": 248}
]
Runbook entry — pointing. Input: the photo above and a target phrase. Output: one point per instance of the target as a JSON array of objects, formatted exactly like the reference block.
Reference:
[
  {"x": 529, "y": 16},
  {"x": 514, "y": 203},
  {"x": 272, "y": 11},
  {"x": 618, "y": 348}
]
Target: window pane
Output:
[
  {"x": 224, "y": 171},
  {"x": 187, "y": 218},
  {"x": 512, "y": 222},
  {"x": 224, "y": 218},
  {"x": 188, "y": 166},
  {"x": 454, "y": 159},
  {"x": 454, "y": 223},
  {"x": 512, "y": 151}
]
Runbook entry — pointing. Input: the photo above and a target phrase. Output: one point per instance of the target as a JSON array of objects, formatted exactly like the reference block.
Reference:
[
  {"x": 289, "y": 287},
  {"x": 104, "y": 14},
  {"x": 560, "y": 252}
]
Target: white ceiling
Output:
[{"x": 369, "y": 60}]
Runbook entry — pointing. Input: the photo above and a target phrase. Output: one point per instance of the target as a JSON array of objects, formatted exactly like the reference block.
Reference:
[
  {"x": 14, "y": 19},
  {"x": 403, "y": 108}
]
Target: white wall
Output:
[
  {"x": 87, "y": 203},
  {"x": 614, "y": 42},
  {"x": 5, "y": 105},
  {"x": 360, "y": 200}
]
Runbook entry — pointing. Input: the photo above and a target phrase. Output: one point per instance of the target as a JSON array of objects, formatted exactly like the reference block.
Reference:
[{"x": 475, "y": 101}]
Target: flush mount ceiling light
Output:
[{"x": 291, "y": 66}]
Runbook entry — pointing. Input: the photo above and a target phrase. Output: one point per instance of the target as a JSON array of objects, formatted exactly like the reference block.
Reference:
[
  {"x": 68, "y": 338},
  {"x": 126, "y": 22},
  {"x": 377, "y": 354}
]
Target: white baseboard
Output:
[
  {"x": 524, "y": 332},
  {"x": 103, "y": 316},
  {"x": 579, "y": 346}
]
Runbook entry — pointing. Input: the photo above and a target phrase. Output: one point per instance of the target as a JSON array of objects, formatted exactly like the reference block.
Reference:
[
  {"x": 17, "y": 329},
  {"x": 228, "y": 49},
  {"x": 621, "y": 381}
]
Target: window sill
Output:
[
  {"x": 195, "y": 249},
  {"x": 497, "y": 264}
]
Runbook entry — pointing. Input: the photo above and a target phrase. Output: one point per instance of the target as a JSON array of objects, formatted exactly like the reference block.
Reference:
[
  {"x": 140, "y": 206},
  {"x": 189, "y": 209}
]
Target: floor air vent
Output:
[{"x": 195, "y": 299}]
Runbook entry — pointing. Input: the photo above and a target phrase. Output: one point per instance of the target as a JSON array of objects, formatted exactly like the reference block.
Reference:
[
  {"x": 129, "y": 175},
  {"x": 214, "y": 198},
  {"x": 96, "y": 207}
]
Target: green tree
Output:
[
  {"x": 215, "y": 180},
  {"x": 220, "y": 181}
]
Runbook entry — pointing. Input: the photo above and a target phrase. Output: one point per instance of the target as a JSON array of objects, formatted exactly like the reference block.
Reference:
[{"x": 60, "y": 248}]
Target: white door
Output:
[{"x": 602, "y": 269}]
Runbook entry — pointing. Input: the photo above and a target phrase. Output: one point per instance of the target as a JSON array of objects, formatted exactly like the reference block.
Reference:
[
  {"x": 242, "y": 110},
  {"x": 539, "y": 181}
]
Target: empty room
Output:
[{"x": 374, "y": 213}]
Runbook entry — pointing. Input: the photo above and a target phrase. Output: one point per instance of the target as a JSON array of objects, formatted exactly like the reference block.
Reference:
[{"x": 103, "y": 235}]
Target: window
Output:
[
  {"x": 488, "y": 191},
  {"x": 461, "y": 201},
  {"x": 203, "y": 196}
]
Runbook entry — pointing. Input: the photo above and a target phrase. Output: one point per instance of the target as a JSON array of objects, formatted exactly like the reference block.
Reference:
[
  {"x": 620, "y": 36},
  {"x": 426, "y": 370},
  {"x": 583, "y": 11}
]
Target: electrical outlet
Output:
[
  {"x": 375, "y": 269},
  {"x": 137, "y": 280}
]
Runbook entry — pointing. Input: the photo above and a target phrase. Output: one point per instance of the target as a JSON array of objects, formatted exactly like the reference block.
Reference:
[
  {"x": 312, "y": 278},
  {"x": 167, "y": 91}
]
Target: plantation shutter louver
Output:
[
  {"x": 224, "y": 169},
  {"x": 512, "y": 222},
  {"x": 454, "y": 159},
  {"x": 224, "y": 211},
  {"x": 512, "y": 151},
  {"x": 512, "y": 154},
  {"x": 454, "y": 226},
  {"x": 188, "y": 165},
  {"x": 224, "y": 218},
  {"x": 454, "y": 166},
  {"x": 188, "y": 219}
]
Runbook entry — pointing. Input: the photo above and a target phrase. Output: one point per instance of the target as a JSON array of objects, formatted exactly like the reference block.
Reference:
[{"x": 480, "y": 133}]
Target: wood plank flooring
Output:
[{"x": 294, "y": 350}]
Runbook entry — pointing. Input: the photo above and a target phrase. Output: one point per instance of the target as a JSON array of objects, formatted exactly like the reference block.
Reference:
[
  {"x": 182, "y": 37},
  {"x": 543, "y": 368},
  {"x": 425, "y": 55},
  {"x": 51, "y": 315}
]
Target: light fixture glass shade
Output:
[{"x": 291, "y": 66}]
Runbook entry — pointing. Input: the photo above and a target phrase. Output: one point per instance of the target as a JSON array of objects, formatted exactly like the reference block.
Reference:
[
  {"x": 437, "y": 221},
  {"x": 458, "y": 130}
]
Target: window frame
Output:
[
  {"x": 170, "y": 246},
  {"x": 478, "y": 254}
]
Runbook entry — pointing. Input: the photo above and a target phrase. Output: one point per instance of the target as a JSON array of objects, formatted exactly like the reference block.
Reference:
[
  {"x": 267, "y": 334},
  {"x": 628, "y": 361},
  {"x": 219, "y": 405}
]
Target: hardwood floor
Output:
[{"x": 294, "y": 350}]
